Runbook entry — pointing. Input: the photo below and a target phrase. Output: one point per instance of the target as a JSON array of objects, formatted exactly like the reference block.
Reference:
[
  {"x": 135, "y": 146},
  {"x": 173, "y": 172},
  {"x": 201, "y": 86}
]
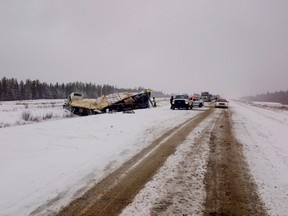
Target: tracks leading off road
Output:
[{"x": 229, "y": 187}]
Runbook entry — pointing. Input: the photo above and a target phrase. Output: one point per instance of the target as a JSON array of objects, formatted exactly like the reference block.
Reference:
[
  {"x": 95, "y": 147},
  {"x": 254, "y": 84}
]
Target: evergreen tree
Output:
[{"x": 10, "y": 89}]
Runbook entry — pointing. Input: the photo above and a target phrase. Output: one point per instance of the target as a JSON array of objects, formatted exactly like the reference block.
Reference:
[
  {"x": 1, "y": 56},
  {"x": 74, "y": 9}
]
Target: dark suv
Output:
[{"x": 182, "y": 101}]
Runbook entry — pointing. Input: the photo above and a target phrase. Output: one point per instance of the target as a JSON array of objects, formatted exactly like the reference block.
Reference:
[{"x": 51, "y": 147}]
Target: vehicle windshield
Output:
[
  {"x": 181, "y": 97},
  {"x": 221, "y": 100}
]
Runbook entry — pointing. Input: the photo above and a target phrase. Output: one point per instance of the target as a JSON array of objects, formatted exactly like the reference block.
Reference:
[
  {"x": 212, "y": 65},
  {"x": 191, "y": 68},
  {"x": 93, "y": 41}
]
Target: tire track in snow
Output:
[
  {"x": 177, "y": 188},
  {"x": 230, "y": 188},
  {"x": 117, "y": 190}
]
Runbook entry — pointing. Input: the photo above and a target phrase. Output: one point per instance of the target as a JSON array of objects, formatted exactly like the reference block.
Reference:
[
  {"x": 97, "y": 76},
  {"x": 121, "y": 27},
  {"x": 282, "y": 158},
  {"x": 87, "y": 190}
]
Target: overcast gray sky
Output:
[{"x": 233, "y": 48}]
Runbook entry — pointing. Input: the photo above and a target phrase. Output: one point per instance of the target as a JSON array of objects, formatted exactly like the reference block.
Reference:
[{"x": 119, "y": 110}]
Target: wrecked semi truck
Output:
[{"x": 116, "y": 102}]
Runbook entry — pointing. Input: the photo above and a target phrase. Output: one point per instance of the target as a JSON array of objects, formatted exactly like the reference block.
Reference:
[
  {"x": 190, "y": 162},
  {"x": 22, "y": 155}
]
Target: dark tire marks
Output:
[
  {"x": 116, "y": 191},
  {"x": 230, "y": 188}
]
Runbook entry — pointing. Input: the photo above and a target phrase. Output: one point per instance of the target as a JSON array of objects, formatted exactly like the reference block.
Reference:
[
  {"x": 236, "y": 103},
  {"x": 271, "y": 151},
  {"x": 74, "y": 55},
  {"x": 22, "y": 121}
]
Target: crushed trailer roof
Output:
[{"x": 116, "y": 102}]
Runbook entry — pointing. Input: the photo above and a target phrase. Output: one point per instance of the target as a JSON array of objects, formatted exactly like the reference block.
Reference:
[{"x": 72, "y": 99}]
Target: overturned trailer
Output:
[{"x": 109, "y": 103}]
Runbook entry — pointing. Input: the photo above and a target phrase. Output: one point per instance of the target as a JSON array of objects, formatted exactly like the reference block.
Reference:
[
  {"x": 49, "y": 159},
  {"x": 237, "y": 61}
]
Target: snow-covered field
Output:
[
  {"x": 14, "y": 113},
  {"x": 57, "y": 160}
]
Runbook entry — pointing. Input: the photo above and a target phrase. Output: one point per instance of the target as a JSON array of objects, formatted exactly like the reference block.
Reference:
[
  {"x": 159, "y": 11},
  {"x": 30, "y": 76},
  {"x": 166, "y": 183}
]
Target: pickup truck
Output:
[{"x": 182, "y": 101}]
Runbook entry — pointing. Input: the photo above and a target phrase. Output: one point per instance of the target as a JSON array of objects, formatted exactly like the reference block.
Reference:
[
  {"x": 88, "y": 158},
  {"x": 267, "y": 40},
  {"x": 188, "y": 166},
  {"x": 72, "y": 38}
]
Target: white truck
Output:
[{"x": 182, "y": 101}]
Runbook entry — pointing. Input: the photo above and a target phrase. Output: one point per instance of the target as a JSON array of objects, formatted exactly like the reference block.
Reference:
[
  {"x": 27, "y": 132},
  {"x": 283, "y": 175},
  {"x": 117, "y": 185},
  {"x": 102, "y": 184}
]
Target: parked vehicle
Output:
[
  {"x": 197, "y": 102},
  {"x": 206, "y": 96},
  {"x": 221, "y": 103},
  {"x": 182, "y": 101}
]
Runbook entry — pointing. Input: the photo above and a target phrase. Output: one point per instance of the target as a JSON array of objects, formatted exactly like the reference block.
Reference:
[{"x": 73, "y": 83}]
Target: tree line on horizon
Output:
[
  {"x": 11, "y": 89},
  {"x": 276, "y": 97}
]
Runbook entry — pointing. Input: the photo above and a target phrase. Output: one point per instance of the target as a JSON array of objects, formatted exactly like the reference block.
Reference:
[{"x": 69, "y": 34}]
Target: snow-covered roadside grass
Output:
[
  {"x": 13, "y": 113},
  {"x": 264, "y": 136},
  {"x": 267, "y": 105},
  {"x": 50, "y": 163}
]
